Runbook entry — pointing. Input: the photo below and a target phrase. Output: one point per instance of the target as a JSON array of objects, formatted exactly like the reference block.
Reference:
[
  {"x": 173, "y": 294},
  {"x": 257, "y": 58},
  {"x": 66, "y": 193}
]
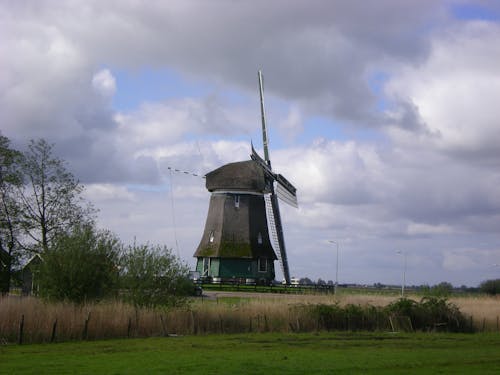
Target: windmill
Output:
[{"x": 244, "y": 221}]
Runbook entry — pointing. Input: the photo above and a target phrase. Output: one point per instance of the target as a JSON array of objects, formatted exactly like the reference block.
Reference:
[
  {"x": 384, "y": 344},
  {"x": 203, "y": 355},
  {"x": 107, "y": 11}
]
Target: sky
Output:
[{"x": 381, "y": 113}]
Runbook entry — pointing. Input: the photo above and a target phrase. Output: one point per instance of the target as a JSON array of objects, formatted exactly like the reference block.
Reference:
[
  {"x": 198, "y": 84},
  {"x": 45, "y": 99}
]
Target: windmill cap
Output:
[{"x": 242, "y": 175}]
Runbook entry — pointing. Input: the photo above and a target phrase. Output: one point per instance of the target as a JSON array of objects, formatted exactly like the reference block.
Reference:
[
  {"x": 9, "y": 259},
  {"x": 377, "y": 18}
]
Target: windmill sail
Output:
[
  {"x": 265, "y": 140},
  {"x": 284, "y": 190}
]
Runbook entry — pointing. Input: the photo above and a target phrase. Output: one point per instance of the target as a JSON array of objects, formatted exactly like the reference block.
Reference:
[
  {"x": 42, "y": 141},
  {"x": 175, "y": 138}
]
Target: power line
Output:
[
  {"x": 173, "y": 211},
  {"x": 171, "y": 169}
]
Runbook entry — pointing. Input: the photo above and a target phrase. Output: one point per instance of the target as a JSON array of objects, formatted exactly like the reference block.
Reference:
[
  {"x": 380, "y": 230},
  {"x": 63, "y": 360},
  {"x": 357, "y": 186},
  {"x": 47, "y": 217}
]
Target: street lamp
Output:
[
  {"x": 404, "y": 273},
  {"x": 336, "y": 267}
]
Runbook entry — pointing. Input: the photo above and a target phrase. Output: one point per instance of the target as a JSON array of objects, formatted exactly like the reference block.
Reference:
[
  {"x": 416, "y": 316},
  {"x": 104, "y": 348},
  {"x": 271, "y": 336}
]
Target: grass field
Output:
[{"x": 270, "y": 353}]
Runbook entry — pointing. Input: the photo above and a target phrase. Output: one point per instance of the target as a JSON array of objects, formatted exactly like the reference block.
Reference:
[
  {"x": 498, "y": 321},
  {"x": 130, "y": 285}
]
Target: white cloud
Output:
[
  {"x": 108, "y": 192},
  {"x": 104, "y": 83},
  {"x": 336, "y": 172},
  {"x": 426, "y": 229},
  {"x": 291, "y": 126},
  {"x": 455, "y": 90}
]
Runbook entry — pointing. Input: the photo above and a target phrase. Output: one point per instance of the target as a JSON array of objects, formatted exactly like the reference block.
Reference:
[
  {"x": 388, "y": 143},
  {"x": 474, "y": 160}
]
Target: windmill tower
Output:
[{"x": 243, "y": 221}]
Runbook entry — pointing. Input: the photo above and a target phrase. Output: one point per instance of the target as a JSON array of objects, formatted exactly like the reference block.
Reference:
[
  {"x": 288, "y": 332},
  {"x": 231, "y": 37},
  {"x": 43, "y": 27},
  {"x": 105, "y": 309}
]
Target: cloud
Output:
[
  {"x": 291, "y": 126},
  {"x": 453, "y": 92},
  {"x": 335, "y": 172},
  {"x": 104, "y": 83},
  {"x": 426, "y": 229},
  {"x": 318, "y": 57},
  {"x": 106, "y": 192}
]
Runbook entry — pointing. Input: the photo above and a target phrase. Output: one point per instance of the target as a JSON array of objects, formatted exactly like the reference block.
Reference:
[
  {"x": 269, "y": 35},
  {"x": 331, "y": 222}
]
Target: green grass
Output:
[{"x": 323, "y": 353}]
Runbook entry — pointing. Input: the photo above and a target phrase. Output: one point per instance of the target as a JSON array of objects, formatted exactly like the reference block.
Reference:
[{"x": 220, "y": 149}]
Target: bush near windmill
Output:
[
  {"x": 80, "y": 266},
  {"x": 150, "y": 275},
  {"x": 87, "y": 264}
]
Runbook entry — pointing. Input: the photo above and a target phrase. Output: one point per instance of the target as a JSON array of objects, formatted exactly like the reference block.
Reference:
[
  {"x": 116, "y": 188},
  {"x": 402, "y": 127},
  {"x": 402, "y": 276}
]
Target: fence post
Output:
[
  {"x": 129, "y": 327},
  {"x": 21, "y": 330},
  {"x": 164, "y": 326},
  {"x": 221, "y": 322},
  {"x": 193, "y": 322},
  {"x": 53, "y": 335},
  {"x": 86, "y": 328}
]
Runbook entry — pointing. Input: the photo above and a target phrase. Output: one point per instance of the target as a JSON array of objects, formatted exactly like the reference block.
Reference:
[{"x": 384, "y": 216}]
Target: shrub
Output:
[
  {"x": 152, "y": 276},
  {"x": 442, "y": 289},
  {"x": 350, "y": 317},
  {"x": 431, "y": 313},
  {"x": 81, "y": 265},
  {"x": 329, "y": 317}
]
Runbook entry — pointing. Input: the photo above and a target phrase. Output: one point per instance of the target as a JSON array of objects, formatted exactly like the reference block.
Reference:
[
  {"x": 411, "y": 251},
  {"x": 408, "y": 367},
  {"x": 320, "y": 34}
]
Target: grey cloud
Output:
[
  {"x": 382, "y": 190},
  {"x": 317, "y": 54}
]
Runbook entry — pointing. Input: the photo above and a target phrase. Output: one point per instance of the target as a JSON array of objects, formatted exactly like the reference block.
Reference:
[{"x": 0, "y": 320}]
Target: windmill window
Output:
[
  {"x": 211, "y": 237},
  {"x": 259, "y": 238},
  {"x": 262, "y": 265},
  {"x": 206, "y": 266},
  {"x": 237, "y": 201}
]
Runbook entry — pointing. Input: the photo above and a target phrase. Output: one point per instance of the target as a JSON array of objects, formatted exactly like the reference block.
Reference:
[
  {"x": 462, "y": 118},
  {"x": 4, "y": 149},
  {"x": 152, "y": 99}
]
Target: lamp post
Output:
[
  {"x": 404, "y": 273},
  {"x": 336, "y": 267}
]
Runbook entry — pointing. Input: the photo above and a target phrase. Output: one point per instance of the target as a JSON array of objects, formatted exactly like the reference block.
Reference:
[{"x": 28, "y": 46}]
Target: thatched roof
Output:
[{"x": 243, "y": 175}]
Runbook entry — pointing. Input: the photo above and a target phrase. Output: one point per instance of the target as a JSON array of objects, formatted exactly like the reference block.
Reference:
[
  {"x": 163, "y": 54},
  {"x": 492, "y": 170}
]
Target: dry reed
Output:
[
  {"x": 484, "y": 311},
  {"x": 46, "y": 322}
]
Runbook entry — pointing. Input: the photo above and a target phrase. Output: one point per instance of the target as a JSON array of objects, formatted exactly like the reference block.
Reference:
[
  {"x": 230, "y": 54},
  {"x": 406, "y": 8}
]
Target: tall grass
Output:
[
  {"x": 484, "y": 311},
  {"x": 46, "y": 322}
]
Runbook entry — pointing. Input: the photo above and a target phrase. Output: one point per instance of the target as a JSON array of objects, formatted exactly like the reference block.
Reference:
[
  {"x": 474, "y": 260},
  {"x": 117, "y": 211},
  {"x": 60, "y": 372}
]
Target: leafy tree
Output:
[
  {"x": 306, "y": 281},
  {"x": 153, "y": 276},
  {"x": 10, "y": 177},
  {"x": 442, "y": 289},
  {"x": 81, "y": 265},
  {"x": 50, "y": 199},
  {"x": 490, "y": 286}
]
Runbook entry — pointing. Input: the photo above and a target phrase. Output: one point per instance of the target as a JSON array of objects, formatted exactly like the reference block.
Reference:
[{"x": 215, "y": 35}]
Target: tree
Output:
[
  {"x": 442, "y": 289},
  {"x": 10, "y": 177},
  {"x": 152, "y": 276},
  {"x": 50, "y": 199},
  {"x": 306, "y": 281},
  {"x": 490, "y": 286},
  {"x": 81, "y": 265}
]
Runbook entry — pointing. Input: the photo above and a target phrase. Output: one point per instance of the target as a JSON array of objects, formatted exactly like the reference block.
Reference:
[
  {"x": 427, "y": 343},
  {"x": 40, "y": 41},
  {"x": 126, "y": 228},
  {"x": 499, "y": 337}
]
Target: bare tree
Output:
[
  {"x": 51, "y": 198},
  {"x": 10, "y": 177}
]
